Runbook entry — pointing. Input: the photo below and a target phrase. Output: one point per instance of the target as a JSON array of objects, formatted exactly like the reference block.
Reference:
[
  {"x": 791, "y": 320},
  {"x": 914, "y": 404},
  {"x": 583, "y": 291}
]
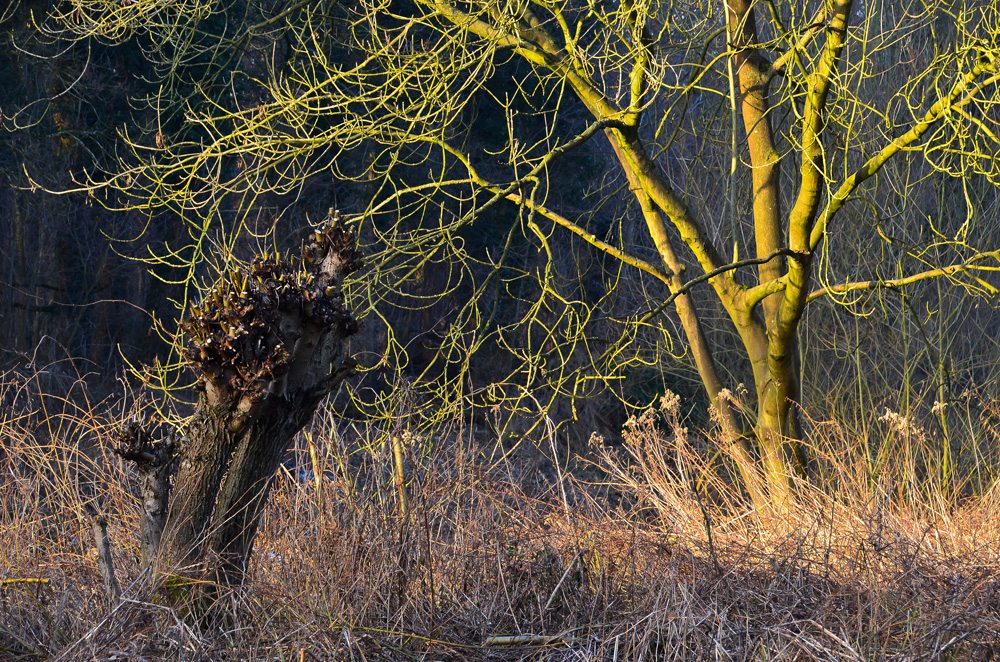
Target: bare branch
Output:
[
  {"x": 972, "y": 264},
  {"x": 962, "y": 93}
]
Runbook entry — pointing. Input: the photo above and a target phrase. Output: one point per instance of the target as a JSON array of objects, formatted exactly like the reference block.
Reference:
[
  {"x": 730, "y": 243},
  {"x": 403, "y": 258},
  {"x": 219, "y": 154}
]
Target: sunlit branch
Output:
[
  {"x": 519, "y": 199},
  {"x": 972, "y": 264},
  {"x": 589, "y": 237},
  {"x": 815, "y": 26},
  {"x": 603, "y": 107},
  {"x": 936, "y": 112},
  {"x": 694, "y": 282},
  {"x": 819, "y": 81},
  {"x": 685, "y": 289},
  {"x": 512, "y": 188}
]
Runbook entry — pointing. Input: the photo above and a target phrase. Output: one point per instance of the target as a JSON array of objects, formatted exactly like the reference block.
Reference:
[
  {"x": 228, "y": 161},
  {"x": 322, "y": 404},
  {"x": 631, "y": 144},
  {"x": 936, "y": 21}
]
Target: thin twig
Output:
[
  {"x": 23, "y": 580},
  {"x": 565, "y": 574}
]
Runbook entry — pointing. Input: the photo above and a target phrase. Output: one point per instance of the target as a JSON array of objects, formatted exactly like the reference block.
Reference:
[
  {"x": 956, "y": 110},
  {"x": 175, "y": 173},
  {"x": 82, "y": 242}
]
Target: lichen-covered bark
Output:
[{"x": 776, "y": 381}]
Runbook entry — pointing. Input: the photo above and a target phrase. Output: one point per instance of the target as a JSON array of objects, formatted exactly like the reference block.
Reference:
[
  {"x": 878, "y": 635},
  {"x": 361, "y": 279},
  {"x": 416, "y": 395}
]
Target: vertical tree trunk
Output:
[
  {"x": 777, "y": 430},
  {"x": 774, "y": 376}
]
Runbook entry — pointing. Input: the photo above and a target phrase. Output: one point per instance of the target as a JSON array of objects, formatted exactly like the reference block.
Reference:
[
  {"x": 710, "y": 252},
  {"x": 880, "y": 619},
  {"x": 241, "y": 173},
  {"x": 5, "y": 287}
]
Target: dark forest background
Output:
[{"x": 77, "y": 281}]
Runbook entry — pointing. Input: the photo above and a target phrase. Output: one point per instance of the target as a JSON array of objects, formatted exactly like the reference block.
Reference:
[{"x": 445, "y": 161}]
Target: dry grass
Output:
[{"x": 859, "y": 570}]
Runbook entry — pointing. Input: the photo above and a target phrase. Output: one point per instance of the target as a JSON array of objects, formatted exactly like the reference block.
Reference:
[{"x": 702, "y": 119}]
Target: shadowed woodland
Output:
[{"x": 499, "y": 329}]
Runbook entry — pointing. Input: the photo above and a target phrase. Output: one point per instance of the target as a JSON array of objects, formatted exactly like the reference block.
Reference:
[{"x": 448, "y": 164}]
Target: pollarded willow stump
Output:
[
  {"x": 154, "y": 458},
  {"x": 268, "y": 345}
]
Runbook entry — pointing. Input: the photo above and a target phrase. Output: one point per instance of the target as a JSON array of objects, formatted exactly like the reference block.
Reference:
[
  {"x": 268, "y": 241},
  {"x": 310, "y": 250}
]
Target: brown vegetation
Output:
[
  {"x": 502, "y": 557},
  {"x": 548, "y": 195}
]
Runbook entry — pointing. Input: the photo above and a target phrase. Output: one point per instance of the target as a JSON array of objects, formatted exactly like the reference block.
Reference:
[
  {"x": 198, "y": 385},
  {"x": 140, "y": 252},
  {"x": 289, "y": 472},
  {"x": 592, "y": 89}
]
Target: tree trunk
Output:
[
  {"x": 777, "y": 431},
  {"x": 268, "y": 345},
  {"x": 154, "y": 460},
  {"x": 213, "y": 520}
]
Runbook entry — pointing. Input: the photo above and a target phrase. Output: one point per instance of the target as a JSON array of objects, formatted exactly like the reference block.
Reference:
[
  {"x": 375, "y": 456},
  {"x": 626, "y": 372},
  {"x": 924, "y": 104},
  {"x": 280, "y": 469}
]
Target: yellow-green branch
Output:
[
  {"x": 970, "y": 265},
  {"x": 936, "y": 112}
]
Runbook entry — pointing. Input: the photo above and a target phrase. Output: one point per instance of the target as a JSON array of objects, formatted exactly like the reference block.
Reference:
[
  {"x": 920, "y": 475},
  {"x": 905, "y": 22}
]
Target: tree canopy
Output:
[{"x": 579, "y": 187}]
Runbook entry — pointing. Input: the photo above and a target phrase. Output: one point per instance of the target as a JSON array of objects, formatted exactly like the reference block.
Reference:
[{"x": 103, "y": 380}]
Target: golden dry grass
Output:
[{"x": 676, "y": 568}]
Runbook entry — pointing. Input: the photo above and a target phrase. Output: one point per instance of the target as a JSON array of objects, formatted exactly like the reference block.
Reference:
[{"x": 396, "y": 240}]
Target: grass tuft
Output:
[{"x": 655, "y": 557}]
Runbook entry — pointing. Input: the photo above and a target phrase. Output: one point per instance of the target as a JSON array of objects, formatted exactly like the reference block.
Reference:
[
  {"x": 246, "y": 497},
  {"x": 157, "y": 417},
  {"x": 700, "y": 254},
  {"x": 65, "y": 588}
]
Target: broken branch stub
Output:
[
  {"x": 267, "y": 343},
  {"x": 154, "y": 460}
]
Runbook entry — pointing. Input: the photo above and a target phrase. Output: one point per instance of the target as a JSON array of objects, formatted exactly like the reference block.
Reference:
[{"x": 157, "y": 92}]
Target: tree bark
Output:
[
  {"x": 268, "y": 345},
  {"x": 154, "y": 460}
]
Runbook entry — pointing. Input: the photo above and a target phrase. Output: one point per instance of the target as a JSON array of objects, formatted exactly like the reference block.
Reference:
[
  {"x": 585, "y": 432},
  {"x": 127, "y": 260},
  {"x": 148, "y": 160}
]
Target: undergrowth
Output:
[{"x": 505, "y": 555}]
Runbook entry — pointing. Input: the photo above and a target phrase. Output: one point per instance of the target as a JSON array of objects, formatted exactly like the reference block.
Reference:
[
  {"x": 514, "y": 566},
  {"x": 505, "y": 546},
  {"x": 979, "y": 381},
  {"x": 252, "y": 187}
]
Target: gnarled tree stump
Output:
[{"x": 268, "y": 345}]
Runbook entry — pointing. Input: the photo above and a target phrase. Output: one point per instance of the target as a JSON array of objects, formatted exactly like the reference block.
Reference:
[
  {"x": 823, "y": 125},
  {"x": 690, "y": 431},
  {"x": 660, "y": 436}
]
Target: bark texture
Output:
[
  {"x": 105, "y": 561},
  {"x": 268, "y": 344},
  {"x": 154, "y": 459}
]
